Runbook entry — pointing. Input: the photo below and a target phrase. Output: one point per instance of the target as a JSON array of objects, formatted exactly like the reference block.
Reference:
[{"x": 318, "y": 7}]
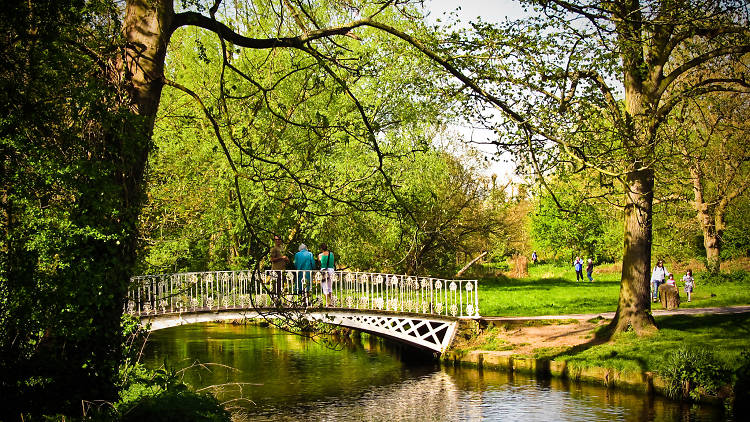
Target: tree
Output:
[
  {"x": 711, "y": 138},
  {"x": 301, "y": 155},
  {"x": 561, "y": 73},
  {"x": 66, "y": 209}
]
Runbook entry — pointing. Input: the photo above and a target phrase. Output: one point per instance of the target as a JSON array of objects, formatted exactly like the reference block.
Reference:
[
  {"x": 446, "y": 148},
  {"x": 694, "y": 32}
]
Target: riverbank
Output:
[{"x": 567, "y": 346}]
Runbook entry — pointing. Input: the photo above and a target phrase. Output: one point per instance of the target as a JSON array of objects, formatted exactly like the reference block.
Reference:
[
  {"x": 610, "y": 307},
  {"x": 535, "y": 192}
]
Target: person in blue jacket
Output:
[
  {"x": 304, "y": 263},
  {"x": 578, "y": 265}
]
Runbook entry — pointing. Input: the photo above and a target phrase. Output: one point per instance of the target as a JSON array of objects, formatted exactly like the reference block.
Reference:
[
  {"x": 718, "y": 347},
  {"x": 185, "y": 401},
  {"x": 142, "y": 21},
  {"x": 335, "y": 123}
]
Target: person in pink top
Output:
[{"x": 670, "y": 280}]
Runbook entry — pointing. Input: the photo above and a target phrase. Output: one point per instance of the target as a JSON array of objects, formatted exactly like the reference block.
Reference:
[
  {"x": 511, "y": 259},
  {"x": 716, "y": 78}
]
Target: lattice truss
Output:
[{"x": 432, "y": 334}]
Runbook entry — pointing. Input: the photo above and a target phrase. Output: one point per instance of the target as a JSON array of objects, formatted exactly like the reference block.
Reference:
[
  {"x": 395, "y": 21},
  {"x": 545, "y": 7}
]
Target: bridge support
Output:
[{"x": 427, "y": 332}]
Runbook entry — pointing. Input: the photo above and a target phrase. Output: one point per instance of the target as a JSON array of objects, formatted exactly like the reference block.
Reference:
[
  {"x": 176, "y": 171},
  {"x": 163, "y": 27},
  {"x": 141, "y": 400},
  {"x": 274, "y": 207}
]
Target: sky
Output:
[{"x": 489, "y": 11}]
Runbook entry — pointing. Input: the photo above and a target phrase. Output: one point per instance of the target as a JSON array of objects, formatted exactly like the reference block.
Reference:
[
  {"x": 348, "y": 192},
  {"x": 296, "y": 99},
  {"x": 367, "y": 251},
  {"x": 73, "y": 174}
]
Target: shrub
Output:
[
  {"x": 178, "y": 405},
  {"x": 690, "y": 372},
  {"x": 742, "y": 386},
  {"x": 161, "y": 395},
  {"x": 735, "y": 277}
]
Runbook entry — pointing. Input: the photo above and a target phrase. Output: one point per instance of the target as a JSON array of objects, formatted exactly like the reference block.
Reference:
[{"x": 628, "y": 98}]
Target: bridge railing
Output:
[{"x": 183, "y": 292}]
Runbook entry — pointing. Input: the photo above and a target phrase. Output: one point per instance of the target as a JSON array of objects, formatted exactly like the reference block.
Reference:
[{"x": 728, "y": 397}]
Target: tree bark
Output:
[
  {"x": 147, "y": 29},
  {"x": 633, "y": 309},
  {"x": 711, "y": 219},
  {"x": 712, "y": 243}
]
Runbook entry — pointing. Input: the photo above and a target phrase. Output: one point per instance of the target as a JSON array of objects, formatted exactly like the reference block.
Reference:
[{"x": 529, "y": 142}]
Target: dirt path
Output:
[
  {"x": 524, "y": 335},
  {"x": 610, "y": 315}
]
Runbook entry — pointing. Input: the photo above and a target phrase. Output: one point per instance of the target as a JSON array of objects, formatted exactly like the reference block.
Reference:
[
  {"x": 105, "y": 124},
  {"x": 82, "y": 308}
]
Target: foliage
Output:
[
  {"x": 737, "y": 279},
  {"x": 736, "y": 239},
  {"x": 68, "y": 204},
  {"x": 677, "y": 234},
  {"x": 160, "y": 395},
  {"x": 573, "y": 223},
  {"x": 312, "y": 176},
  {"x": 742, "y": 385},
  {"x": 691, "y": 372},
  {"x": 709, "y": 167}
]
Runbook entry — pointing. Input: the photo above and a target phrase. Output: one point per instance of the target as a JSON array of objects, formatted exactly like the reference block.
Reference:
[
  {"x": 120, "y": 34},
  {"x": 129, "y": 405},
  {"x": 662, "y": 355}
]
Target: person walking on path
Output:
[
  {"x": 279, "y": 260},
  {"x": 328, "y": 267},
  {"x": 534, "y": 257},
  {"x": 578, "y": 265},
  {"x": 689, "y": 283},
  {"x": 304, "y": 263},
  {"x": 590, "y": 270},
  {"x": 658, "y": 275}
]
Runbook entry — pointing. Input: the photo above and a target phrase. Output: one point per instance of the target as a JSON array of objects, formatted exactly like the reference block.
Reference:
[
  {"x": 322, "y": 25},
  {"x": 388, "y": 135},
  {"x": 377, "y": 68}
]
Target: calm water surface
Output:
[{"x": 271, "y": 375}]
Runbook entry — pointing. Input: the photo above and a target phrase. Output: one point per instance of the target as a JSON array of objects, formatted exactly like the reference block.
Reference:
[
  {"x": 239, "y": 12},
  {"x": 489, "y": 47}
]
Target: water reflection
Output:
[{"x": 275, "y": 376}]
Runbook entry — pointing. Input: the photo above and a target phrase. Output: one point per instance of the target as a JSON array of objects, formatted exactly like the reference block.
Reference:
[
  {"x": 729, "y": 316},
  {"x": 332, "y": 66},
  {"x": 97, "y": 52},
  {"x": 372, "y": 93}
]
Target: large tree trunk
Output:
[
  {"x": 634, "y": 306},
  {"x": 147, "y": 29},
  {"x": 712, "y": 243},
  {"x": 633, "y": 309},
  {"x": 711, "y": 219}
]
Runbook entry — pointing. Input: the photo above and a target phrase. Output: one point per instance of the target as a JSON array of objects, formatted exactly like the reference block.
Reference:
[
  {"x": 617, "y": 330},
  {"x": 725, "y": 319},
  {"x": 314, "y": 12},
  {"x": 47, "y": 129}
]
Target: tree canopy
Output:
[{"x": 318, "y": 120}]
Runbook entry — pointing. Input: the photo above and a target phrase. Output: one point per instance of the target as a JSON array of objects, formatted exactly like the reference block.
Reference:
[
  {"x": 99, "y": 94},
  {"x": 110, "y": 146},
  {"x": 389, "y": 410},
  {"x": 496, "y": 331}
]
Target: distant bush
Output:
[
  {"x": 692, "y": 372},
  {"x": 498, "y": 265},
  {"x": 736, "y": 277}
]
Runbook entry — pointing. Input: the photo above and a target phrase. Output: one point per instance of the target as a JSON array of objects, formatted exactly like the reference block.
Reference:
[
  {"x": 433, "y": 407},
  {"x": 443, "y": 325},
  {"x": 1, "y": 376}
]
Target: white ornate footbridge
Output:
[{"x": 421, "y": 311}]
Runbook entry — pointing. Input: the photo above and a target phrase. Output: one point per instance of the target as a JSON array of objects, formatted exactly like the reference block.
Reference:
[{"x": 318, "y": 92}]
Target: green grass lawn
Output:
[
  {"x": 552, "y": 290},
  {"x": 726, "y": 336}
]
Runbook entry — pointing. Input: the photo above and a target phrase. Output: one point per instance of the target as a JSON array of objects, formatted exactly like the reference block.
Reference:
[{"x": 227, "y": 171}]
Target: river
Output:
[{"x": 270, "y": 375}]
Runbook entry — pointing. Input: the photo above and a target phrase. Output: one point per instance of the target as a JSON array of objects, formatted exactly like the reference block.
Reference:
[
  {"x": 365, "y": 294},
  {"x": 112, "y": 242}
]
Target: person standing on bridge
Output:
[
  {"x": 328, "y": 268},
  {"x": 304, "y": 263},
  {"x": 278, "y": 264}
]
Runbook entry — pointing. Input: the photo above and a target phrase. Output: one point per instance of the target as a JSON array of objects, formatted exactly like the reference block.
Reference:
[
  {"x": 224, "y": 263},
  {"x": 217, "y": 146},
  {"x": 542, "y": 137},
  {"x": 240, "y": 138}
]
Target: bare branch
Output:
[{"x": 698, "y": 61}]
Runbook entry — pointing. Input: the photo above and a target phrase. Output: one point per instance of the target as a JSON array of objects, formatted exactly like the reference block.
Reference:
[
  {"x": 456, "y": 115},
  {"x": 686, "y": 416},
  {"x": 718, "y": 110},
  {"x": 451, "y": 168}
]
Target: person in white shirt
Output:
[{"x": 657, "y": 279}]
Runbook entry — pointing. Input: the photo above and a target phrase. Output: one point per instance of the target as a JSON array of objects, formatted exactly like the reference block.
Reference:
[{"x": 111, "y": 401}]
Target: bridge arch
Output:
[{"x": 430, "y": 333}]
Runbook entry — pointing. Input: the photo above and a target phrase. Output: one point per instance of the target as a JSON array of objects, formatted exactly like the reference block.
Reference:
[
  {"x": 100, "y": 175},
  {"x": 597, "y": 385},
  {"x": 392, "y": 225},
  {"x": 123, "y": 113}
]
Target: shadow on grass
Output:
[
  {"x": 731, "y": 323},
  {"x": 731, "y": 327}
]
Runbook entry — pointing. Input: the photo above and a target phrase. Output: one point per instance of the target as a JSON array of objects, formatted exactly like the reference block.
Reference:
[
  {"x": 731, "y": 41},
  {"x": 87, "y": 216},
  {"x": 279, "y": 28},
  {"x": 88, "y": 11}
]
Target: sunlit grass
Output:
[
  {"x": 727, "y": 336},
  {"x": 552, "y": 290}
]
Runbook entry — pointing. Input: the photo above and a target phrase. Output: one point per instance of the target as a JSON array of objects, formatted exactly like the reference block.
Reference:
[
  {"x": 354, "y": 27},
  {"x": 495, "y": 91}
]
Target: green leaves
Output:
[
  {"x": 68, "y": 212},
  {"x": 694, "y": 372},
  {"x": 575, "y": 222}
]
